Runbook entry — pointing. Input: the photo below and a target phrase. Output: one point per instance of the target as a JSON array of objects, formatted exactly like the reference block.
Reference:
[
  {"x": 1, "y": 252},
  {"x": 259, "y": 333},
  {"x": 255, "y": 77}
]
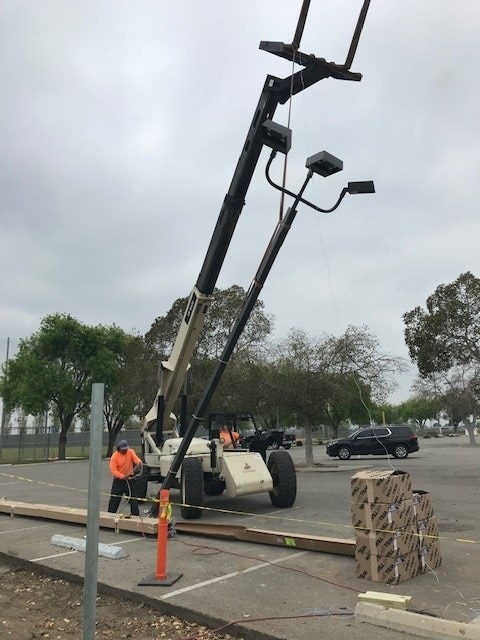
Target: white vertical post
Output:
[{"x": 93, "y": 513}]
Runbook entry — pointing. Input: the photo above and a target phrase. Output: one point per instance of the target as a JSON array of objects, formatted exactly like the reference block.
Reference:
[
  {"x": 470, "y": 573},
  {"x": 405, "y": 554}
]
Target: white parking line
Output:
[
  {"x": 24, "y": 529},
  {"x": 55, "y": 555},
  {"x": 178, "y": 592},
  {"x": 119, "y": 544}
]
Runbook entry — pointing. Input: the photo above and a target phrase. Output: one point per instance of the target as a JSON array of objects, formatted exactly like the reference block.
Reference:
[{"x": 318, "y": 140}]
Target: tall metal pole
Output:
[
  {"x": 281, "y": 230},
  {"x": 93, "y": 513}
]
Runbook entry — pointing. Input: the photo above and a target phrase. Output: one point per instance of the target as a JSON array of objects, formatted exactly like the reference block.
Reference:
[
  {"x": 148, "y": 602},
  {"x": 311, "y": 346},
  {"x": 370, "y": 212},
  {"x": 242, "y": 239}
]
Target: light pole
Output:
[
  {"x": 279, "y": 139},
  {"x": 325, "y": 165}
]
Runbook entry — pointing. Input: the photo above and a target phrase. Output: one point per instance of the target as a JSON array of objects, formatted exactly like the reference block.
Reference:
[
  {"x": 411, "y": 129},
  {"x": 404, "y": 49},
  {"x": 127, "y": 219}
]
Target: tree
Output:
[
  {"x": 419, "y": 409},
  {"x": 447, "y": 334},
  {"x": 131, "y": 387},
  {"x": 357, "y": 374},
  {"x": 454, "y": 393},
  {"x": 222, "y": 314},
  {"x": 224, "y": 310},
  {"x": 358, "y": 354},
  {"x": 444, "y": 342},
  {"x": 386, "y": 413},
  {"x": 298, "y": 384},
  {"x": 55, "y": 368}
]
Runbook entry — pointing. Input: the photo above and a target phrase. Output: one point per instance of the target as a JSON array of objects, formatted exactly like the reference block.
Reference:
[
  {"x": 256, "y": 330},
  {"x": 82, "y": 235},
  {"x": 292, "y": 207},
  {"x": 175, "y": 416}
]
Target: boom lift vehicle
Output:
[{"x": 199, "y": 466}]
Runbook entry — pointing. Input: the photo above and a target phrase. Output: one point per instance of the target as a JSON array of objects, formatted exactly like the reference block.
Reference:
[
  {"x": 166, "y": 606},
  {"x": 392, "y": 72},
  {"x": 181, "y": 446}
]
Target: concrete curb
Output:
[{"x": 79, "y": 544}]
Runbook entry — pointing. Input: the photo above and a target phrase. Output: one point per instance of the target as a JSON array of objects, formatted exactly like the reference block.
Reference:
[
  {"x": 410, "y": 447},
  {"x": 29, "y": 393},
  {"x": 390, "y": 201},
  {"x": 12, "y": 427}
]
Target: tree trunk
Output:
[
  {"x": 470, "y": 427},
  {"x": 111, "y": 441},
  {"x": 309, "y": 447},
  {"x": 62, "y": 443},
  {"x": 114, "y": 429}
]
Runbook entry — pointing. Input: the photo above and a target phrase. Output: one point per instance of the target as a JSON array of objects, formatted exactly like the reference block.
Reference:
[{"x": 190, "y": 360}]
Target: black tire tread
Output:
[
  {"x": 282, "y": 470},
  {"x": 191, "y": 488}
]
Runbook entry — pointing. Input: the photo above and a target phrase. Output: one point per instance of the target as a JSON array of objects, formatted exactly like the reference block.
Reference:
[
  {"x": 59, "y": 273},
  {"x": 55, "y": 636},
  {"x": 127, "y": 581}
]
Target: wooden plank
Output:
[
  {"x": 115, "y": 521},
  {"x": 388, "y": 600},
  {"x": 323, "y": 544},
  {"x": 415, "y": 623},
  {"x": 149, "y": 526}
]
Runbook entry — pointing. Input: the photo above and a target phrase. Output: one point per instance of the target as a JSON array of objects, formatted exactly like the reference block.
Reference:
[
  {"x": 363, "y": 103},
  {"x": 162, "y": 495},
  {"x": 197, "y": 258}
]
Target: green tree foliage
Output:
[
  {"x": 330, "y": 380},
  {"x": 459, "y": 403},
  {"x": 358, "y": 354},
  {"x": 447, "y": 334},
  {"x": 418, "y": 410},
  {"x": 131, "y": 388},
  {"x": 453, "y": 393},
  {"x": 239, "y": 375},
  {"x": 444, "y": 342},
  {"x": 224, "y": 310},
  {"x": 386, "y": 413},
  {"x": 55, "y": 368}
]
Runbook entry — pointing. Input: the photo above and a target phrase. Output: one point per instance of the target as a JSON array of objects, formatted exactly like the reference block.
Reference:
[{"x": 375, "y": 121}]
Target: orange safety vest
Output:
[
  {"x": 121, "y": 465},
  {"x": 226, "y": 438}
]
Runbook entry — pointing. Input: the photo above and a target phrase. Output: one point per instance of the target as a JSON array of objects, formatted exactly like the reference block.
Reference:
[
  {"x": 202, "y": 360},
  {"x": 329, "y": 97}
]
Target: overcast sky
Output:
[{"x": 122, "y": 121}]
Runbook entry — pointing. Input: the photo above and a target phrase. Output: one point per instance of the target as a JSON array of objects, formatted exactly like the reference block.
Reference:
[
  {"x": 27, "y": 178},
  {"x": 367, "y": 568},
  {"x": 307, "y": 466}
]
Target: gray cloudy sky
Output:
[{"x": 122, "y": 122}]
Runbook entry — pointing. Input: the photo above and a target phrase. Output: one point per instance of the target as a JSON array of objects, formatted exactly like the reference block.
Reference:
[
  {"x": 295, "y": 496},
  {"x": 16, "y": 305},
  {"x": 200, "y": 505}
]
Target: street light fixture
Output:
[
  {"x": 276, "y": 136},
  {"x": 366, "y": 186},
  {"x": 325, "y": 165}
]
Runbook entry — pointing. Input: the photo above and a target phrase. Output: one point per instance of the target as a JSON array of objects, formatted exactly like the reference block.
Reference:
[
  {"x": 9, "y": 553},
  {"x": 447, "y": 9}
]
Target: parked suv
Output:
[{"x": 377, "y": 441}]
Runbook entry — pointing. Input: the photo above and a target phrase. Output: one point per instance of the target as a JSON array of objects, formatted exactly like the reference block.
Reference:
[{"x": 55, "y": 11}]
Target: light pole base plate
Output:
[{"x": 153, "y": 581}]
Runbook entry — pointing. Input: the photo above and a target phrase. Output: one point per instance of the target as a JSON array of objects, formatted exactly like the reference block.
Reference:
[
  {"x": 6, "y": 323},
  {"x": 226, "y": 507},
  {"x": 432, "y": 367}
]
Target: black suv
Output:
[{"x": 377, "y": 441}]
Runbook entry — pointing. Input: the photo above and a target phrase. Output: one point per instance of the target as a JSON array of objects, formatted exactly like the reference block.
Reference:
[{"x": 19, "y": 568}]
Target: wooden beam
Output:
[{"x": 119, "y": 522}]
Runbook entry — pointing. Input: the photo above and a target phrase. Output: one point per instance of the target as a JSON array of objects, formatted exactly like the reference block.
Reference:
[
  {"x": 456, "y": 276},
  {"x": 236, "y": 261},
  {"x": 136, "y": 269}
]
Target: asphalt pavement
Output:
[{"x": 266, "y": 591}]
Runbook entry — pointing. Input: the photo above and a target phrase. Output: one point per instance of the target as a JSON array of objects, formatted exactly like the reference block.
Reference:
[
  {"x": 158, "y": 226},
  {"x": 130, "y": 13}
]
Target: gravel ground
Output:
[{"x": 34, "y": 605}]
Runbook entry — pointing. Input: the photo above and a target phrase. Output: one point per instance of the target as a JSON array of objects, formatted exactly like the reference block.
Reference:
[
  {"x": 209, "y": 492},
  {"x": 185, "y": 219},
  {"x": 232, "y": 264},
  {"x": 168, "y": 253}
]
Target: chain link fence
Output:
[{"x": 42, "y": 447}]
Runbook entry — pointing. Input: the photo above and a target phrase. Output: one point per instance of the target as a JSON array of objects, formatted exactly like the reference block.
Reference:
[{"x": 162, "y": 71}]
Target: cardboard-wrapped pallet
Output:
[
  {"x": 381, "y": 485},
  {"x": 430, "y": 557},
  {"x": 396, "y": 533},
  {"x": 388, "y": 569},
  {"x": 381, "y": 516},
  {"x": 394, "y": 526},
  {"x": 386, "y": 543},
  {"x": 422, "y": 504},
  {"x": 429, "y": 544}
]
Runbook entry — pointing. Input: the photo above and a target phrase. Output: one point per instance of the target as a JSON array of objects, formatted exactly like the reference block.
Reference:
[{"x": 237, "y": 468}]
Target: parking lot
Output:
[{"x": 231, "y": 580}]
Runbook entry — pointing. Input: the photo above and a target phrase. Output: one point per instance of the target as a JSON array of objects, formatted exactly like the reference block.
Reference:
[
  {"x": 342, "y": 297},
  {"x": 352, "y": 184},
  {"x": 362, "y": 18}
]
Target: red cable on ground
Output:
[{"x": 264, "y": 619}]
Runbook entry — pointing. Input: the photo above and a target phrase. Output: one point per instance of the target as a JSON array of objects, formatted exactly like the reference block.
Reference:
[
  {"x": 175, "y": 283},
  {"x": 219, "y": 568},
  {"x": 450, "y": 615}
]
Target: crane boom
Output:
[{"x": 275, "y": 91}]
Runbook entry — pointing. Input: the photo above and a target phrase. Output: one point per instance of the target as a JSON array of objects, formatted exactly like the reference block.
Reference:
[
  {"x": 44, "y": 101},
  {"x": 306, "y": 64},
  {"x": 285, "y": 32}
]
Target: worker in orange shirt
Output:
[
  {"x": 123, "y": 465},
  {"x": 228, "y": 437}
]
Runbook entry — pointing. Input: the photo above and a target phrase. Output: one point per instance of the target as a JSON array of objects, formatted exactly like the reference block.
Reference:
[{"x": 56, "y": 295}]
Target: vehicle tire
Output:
[
  {"x": 214, "y": 487},
  {"x": 191, "y": 488},
  {"x": 275, "y": 445},
  {"x": 287, "y": 446},
  {"x": 344, "y": 453},
  {"x": 400, "y": 451},
  {"x": 282, "y": 470}
]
